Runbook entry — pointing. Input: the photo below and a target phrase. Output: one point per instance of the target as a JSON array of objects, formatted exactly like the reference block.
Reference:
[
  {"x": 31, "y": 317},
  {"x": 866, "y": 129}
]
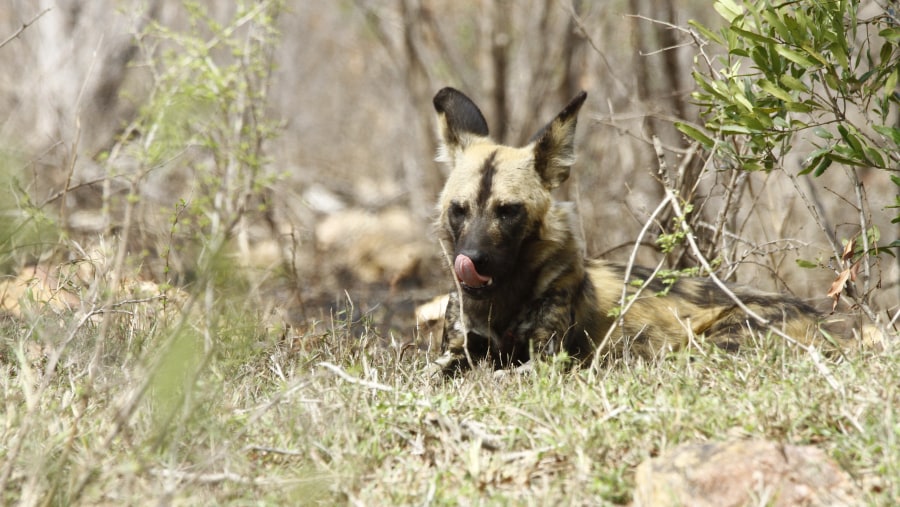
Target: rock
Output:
[
  {"x": 743, "y": 472},
  {"x": 387, "y": 247}
]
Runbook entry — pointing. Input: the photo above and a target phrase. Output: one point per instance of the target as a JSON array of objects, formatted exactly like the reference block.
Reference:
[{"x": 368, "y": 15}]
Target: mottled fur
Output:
[{"x": 531, "y": 290}]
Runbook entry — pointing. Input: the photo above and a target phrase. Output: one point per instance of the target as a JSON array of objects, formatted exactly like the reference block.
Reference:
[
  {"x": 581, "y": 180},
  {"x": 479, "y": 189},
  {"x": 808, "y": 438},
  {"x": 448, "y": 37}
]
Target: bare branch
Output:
[
  {"x": 220, "y": 477},
  {"x": 584, "y": 31},
  {"x": 627, "y": 301},
  {"x": 24, "y": 27},
  {"x": 462, "y": 310},
  {"x": 354, "y": 380},
  {"x": 762, "y": 321}
]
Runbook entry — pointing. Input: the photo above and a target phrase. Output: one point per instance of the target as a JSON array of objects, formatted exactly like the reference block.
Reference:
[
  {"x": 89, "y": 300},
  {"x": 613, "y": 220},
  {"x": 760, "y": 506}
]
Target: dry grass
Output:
[{"x": 279, "y": 416}]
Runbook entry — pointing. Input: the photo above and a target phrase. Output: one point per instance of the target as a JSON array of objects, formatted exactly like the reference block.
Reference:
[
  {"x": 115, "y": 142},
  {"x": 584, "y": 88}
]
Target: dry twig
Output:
[{"x": 24, "y": 27}]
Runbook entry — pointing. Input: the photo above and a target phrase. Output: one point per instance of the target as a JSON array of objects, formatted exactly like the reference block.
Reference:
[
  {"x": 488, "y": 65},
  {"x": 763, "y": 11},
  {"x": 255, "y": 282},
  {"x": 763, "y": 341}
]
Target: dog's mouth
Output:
[{"x": 468, "y": 275}]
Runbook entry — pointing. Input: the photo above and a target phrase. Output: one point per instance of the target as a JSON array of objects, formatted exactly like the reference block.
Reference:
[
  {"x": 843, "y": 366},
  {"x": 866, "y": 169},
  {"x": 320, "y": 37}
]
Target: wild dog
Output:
[{"x": 524, "y": 283}]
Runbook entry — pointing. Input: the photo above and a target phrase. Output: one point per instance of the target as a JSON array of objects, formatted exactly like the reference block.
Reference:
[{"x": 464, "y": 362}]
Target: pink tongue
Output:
[{"x": 466, "y": 272}]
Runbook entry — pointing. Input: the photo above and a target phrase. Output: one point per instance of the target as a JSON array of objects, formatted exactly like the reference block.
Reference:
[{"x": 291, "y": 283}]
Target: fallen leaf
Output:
[
  {"x": 838, "y": 286},
  {"x": 848, "y": 249},
  {"x": 854, "y": 270}
]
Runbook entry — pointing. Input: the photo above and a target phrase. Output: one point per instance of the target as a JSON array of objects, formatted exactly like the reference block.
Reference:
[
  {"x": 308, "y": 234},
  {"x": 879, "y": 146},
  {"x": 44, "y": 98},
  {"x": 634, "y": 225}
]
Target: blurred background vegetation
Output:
[
  {"x": 215, "y": 227},
  {"x": 296, "y": 140}
]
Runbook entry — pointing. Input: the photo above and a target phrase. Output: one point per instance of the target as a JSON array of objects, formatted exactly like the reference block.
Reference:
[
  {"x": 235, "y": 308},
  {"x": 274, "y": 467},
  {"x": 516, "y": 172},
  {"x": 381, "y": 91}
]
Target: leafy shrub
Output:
[{"x": 809, "y": 78}]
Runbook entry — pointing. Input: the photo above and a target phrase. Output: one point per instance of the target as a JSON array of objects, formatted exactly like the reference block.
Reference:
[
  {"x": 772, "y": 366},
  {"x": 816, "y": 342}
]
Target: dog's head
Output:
[{"x": 496, "y": 197}]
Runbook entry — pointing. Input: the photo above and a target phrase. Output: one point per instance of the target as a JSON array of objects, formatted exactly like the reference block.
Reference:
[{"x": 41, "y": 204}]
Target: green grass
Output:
[{"x": 273, "y": 416}]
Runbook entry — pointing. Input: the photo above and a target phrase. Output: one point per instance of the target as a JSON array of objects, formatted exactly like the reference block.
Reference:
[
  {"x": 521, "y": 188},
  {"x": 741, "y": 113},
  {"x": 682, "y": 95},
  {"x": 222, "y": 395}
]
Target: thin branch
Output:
[
  {"x": 613, "y": 72},
  {"x": 354, "y": 380},
  {"x": 462, "y": 315},
  {"x": 73, "y": 150},
  {"x": 864, "y": 231},
  {"x": 697, "y": 40},
  {"x": 24, "y": 27},
  {"x": 274, "y": 450},
  {"x": 760, "y": 320},
  {"x": 219, "y": 477},
  {"x": 666, "y": 49},
  {"x": 626, "y": 302}
]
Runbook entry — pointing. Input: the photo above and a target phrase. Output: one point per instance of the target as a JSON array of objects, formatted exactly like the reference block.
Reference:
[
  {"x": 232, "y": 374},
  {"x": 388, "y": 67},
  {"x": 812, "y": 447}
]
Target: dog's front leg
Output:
[
  {"x": 458, "y": 348},
  {"x": 543, "y": 325},
  {"x": 453, "y": 342}
]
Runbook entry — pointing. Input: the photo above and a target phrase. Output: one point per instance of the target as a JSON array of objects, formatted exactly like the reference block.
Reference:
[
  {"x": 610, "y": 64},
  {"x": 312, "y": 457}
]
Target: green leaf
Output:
[
  {"x": 752, "y": 166},
  {"x": 824, "y": 164},
  {"x": 711, "y": 87},
  {"x": 793, "y": 83},
  {"x": 695, "y": 134},
  {"x": 890, "y": 84},
  {"x": 805, "y": 264},
  {"x": 852, "y": 140},
  {"x": 890, "y": 132},
  {"x": 753, "y": 36},
  {"x": 772, "y": 16},
  {"x": 844, "y": 155},
  {"x": 706, "y": 32},
  {"x": 798, "y": 107},
  {"x": 813, "y": 53},
  {"x": 760, "y": 57},
  {"x": 890, "y": 34},
  {"x": 756, "y": 122},
  {"x": 815, "y": 154},
  {"x": 770, "y": 88},
  {"x": 874, "y": 234},
  {"x": 840, "y": 54},
  {"x": 797, "y": 30},
  {"x": 796, "y": 57},
  {"x": 741, "y": 99},
  {"x": 874, "y": 157},
  {"x": 886, "y": 52},
  {"x": 735, "y": 129},
  {"x": 823, "y": 133},
  {"x": 832, "y": 81},
  {"x": 727, "y": 9}
]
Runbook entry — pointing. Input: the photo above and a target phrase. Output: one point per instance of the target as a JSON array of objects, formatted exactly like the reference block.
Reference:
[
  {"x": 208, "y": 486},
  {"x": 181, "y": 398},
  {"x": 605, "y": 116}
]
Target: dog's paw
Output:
[
  {"x": 434, "y": 372},
  {"x": 521, "y": 370}
]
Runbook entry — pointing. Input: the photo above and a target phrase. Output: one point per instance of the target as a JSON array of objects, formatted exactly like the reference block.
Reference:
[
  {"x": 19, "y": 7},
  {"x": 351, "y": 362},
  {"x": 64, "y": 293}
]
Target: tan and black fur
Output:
[{"x": 524, "y": 282}]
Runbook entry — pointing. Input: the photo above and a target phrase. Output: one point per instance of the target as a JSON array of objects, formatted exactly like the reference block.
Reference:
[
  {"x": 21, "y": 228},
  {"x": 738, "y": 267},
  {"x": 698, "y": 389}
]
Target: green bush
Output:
[
  {"x": 799, "y": 69},
  {"x": 809, "y": 78}
]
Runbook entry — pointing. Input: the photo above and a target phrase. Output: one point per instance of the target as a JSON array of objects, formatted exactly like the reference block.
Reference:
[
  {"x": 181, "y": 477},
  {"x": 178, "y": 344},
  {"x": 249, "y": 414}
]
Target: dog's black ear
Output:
[
  {"x": 459, "y": 123},
  {"x": 554, "y": 145}
]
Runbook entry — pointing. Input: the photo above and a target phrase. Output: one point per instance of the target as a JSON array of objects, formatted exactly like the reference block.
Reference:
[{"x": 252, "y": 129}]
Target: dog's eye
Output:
[
  {"x": 458, "y": 211},
  {"x": 512, "y": 211}
]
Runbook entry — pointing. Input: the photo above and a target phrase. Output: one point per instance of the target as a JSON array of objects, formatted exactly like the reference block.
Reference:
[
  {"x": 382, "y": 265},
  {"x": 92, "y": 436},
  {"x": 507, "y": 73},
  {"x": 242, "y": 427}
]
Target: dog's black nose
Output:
[{"x": 479, "y": 259}]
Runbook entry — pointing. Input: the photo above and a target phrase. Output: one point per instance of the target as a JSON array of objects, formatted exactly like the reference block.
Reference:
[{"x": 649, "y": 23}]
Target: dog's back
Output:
[{"x": 664, "y": 316}]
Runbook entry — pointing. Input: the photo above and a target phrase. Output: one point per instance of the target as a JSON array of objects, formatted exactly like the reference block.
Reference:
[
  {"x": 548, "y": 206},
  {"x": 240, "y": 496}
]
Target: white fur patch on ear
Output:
[
  {"x": 449, "y": 144},
  {"x": 443, "y": 155},
  {"x": 459, "y": 124},
  {"x": 443, "y": 152}
]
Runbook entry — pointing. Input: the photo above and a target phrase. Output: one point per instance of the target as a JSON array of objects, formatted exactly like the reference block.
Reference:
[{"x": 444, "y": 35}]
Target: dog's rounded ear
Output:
[
  {"x": 459, "y": 123},
  {"x": 554, "y": 145}
]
